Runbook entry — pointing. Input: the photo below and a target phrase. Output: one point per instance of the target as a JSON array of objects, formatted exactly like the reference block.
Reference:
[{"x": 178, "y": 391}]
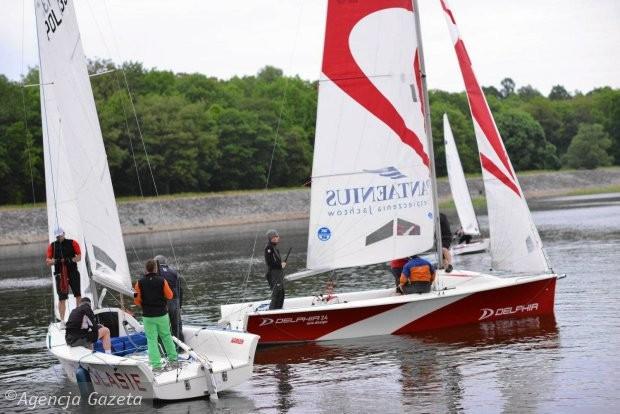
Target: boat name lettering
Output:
[
  {"x": 308, "y": 320},
  {"x": 390, "y": 192},
  {"x": 53, "y": 20},
  {"x": 236, "y": 341},
  {"x": 119, "y": 380},
  {"x": 487, "y": 312}
]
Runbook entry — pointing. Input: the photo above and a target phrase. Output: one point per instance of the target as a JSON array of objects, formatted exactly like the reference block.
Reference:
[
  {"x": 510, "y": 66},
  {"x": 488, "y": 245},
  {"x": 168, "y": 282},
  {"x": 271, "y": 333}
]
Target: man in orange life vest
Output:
[
  {"x": 64, "y": 254},
  {"x": 417, "y": 277}
]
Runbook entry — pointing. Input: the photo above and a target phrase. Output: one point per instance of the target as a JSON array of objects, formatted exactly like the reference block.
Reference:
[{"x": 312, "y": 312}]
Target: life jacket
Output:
[
  {"x": 422, "y": 271},
  {"x": 152, "y": 294},
  {"x": 63, "y": 250}
]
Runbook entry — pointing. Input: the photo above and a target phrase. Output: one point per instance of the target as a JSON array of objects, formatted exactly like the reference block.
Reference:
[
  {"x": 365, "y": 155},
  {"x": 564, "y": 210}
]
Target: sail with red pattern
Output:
[
  {"x": 515, "y": 242},
  {"x": 371, "y": 185}
]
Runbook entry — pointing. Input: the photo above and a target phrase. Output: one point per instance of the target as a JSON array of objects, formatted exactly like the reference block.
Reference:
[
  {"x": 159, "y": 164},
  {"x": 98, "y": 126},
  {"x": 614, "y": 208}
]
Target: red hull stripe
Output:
[
  {"x": 479, "y": 108},
  {"x": 530, "y": 299},
  {"x": 309, "y": 326},
  {"x": 490, "y": 166},
  {"x": 340, "y": 66}
]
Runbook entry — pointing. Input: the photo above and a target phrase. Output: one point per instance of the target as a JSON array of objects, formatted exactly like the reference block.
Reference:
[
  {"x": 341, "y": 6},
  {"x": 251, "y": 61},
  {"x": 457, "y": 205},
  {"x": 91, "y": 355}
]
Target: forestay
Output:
[
  {"x": 458, "y": 184},
  {"x": 515, "y": 243},
  {"x": 371, "y": 187},
  {"x": 79, "y": 191}
]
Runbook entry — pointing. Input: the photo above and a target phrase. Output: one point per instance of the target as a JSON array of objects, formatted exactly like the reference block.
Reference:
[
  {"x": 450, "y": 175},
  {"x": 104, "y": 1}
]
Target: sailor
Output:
[
  {"x": 275, "y": 272},
  {"x": 64, "y": 254},
  {"x": 417, "y": 276},
  {"x": 152, "y": 293},
  {"x": 446, "y": 239},
  {"x": 396, "y": 266},
  {"x": 82, "y": 330},
  {"x": 174, "y": 304}
]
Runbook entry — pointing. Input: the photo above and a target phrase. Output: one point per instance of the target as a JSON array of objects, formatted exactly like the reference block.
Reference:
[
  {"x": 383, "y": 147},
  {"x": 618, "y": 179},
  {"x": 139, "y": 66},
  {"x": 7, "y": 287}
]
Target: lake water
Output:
[{"x": 568, "y": 363}]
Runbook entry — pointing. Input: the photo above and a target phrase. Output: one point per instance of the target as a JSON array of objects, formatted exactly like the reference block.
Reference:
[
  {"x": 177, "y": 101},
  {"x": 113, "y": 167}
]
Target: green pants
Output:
[{"x": 158, "y": 326}]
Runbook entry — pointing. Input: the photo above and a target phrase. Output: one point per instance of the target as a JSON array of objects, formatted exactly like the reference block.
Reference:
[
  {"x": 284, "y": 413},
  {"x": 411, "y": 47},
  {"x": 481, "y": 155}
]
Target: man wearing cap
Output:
[
  {"x": 64, "y": 254},
  {"x": 174, "y": 304},
  {"x": 275, "y": 273},
  {"x": 82, "y": 329}
]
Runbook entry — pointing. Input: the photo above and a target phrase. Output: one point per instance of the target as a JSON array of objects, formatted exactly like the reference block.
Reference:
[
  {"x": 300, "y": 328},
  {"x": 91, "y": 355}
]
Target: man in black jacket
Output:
[
  {"x": 174, "y": 304},
  {"x": 82, "y": 330},
  {"x": 275, "y": 272},
  {"x": 64, "y": 254}
]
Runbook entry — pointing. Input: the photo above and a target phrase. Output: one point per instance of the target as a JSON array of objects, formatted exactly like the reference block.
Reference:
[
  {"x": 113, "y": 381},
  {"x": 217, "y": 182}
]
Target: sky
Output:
[{"x": 574, "y": 43}]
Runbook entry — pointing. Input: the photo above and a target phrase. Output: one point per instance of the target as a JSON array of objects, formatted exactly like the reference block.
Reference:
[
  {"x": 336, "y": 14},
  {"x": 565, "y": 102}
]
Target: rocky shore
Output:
[{"x": 21, "y": 225}]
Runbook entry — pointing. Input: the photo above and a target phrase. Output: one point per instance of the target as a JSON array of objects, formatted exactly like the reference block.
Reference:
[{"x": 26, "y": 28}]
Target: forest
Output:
[{"x": 201, "y": 134}]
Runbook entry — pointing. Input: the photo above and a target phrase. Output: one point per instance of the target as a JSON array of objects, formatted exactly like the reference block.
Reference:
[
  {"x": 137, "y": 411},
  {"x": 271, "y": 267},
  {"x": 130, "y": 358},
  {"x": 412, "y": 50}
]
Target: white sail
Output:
[
  {"x": 371, "y": 189},
  {"x": 80, "y": 198},
  {"x": 515, "y": 243},
  {"x": 458, "y": 184}
]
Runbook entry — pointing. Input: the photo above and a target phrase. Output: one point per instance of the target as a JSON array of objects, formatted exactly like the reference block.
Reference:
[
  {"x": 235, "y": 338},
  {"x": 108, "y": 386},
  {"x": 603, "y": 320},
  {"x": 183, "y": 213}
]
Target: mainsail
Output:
[
  {"x": 458, "y": 184},
  {"x": 371, "y": 186},
  {"x": 80, "y": 198},
  {"x": 515, "y": 243}
]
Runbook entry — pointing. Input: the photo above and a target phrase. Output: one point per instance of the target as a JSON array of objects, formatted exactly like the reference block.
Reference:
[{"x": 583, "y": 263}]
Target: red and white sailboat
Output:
[
  {"x": 373, "y": 194},
  {"x": 462, "y": 199}
]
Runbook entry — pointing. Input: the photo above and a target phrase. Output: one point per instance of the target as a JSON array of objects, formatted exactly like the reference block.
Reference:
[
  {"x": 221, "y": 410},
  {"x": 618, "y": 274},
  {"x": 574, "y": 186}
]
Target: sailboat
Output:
[
  {"x": 461, "y": 196},
  {"x": 373, "y": 197},
  {"x": 80, "y": 198}
]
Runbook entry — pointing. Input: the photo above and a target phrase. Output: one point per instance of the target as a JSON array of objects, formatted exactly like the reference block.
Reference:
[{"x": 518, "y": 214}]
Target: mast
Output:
[{"x": 429, "y": 135}]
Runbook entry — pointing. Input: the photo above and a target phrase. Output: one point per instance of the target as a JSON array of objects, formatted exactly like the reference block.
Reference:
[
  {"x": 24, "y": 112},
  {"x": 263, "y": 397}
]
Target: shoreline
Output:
[{"x": 27, "y": 224}]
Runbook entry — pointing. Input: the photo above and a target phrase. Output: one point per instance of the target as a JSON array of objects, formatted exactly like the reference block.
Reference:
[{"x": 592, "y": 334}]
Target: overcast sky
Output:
[{"x": 574, "y": 43}]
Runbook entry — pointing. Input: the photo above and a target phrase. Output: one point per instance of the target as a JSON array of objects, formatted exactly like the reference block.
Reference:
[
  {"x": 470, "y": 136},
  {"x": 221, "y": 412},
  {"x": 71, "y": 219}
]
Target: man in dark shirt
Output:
[
  {"x": 275, "y": 270},
  {"x": 81, "y": 329},
  {"x": 152, "y": 293},
  {"x": 64, "y": 254},
  {"x": 446, "y": 239},
  {"x": 174, "y": 304}
]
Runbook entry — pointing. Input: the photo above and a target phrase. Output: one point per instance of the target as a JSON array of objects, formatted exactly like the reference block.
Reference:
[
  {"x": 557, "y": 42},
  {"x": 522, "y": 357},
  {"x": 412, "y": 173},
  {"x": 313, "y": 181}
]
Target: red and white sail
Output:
[
  {"x": 515, "y": 243},
  {"x": 80, "y": 198},
  {"x": 371, "y": 184}
]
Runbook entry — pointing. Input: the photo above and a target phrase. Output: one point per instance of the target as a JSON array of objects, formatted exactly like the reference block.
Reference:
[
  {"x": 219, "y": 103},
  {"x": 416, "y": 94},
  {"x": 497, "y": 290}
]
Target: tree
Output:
[
  {"x": 508, "y": 87},
  {"x": 558, "y": 92},
  {"x": 525, "y": 141},
  {"x": 589, "y": 148},
  {"x": 528, "y": 92}
]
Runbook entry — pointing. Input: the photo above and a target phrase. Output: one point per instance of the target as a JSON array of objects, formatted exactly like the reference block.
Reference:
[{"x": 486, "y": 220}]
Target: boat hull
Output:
[
  {"x": 384, "y": 312},
  {"x": 478, "y": 246}
]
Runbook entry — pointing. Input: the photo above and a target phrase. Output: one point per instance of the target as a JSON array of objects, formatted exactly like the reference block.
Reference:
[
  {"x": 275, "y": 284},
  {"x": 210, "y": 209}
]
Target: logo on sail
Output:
[
  {"x": 403, "y": 228},
  {"x": 324, "y": 234},
  {"x": 390, "y": 172}
]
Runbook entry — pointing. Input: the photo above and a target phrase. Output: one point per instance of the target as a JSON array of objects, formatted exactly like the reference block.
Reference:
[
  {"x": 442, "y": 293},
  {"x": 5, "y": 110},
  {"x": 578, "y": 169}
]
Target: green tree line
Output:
[{"x": 204, "y": 134}]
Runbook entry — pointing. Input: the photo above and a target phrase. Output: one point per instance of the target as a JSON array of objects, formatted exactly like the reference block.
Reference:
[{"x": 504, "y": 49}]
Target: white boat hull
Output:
[
  {"x": 461, "y": 298},
  {"x": 474, "y": 247},
  {"x": 230, "y": 355}
]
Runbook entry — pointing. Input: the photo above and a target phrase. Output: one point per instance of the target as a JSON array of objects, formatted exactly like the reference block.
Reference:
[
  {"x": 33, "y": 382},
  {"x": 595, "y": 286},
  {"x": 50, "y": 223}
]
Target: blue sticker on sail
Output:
[
  {"x": 324, "y": 234},
  {"x": 430, "y": 215}
]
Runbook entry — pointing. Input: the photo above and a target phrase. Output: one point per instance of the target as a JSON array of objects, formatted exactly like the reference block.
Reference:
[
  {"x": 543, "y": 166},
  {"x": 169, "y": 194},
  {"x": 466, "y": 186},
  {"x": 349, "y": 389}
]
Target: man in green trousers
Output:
[{"x": 152, "y": 293}]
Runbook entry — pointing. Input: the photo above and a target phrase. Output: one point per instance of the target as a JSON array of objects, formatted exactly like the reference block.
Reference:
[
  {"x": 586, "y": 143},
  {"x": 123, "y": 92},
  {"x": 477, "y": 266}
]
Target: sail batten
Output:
[
  {"x": 515, "y": 242},
  {"x": 371, "y": 195},
  {"x": 80, "y": 197}
]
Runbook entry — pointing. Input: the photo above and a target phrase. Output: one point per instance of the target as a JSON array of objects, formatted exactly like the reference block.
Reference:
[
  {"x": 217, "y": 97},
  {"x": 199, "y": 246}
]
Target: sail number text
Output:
[{"x": 53, "y": 20}]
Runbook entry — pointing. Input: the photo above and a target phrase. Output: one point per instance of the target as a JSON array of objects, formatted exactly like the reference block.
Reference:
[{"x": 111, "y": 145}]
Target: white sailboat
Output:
[
  {"x": 461, "y": 196},
  {"x": 372, "y": 197},
  {"x": 80, "y": 198}
]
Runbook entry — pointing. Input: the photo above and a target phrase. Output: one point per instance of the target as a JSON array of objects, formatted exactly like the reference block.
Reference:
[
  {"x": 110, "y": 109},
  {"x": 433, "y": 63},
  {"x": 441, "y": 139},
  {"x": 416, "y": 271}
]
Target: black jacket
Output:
[
  {"x": 63, "y": 250},
  {"x": 272, "y": 257},
  {"x": 81, "y": 321},
  {"x": 172, "y": 277},
  {"x": 152, "y": 295}
]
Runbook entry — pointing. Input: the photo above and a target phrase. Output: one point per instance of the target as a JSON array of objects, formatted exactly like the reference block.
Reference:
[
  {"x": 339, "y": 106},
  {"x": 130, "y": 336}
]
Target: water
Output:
[{"x": 566, "y": 363}]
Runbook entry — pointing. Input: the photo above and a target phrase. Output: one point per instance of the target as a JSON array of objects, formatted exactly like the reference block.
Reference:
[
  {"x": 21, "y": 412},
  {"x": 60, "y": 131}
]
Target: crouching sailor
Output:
[
  {"x": 417, "y": 277},
  {"x": 82, "y": 330},
  {"x": 152, "y": 294}
]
